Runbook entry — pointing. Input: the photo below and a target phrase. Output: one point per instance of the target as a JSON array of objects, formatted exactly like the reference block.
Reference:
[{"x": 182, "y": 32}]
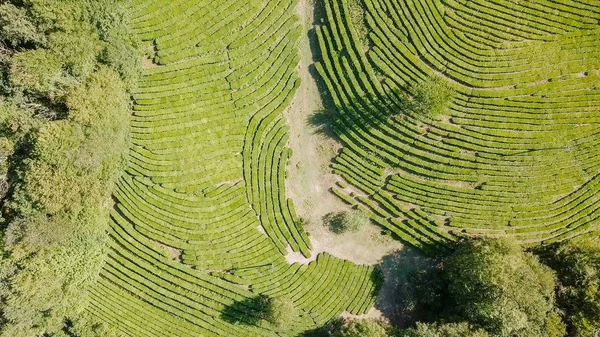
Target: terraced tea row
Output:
[
  {"x": 202, "y": 223},
  {"x": 515, "y": 152}
]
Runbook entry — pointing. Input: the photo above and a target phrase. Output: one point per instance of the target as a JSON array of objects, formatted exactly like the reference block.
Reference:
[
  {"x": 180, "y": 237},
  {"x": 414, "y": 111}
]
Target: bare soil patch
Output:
[
  {"x": 148, "y": 58},
  {"x": 310, "y": 178},
  {"x": 170, "y": 252}
]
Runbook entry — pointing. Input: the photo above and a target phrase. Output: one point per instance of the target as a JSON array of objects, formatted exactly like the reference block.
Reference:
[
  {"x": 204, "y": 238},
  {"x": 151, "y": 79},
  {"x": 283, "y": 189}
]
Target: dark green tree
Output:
[
  {"x": 577, "y": 264},
  {"x": 361, "y": 328},
  {"x": 444, "y": 330},
  {"x": 497, "y": 286}
]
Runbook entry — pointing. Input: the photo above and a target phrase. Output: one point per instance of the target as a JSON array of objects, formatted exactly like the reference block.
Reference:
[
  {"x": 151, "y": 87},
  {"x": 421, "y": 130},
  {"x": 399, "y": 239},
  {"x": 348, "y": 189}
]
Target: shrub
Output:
[
  {"x": 350, "y": 221},
  {"x": 280, "y": 311},
  {"x": 363, "y": 328},
  {"x": 37, "y": 71},
  {"x": 345, "y": 327},
  {"x": 431, "y": 97},
  {"x": 16, "y": 27}
]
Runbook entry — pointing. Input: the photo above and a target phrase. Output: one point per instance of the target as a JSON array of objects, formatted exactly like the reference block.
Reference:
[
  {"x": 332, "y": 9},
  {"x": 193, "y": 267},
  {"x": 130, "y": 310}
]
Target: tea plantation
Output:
[
  {"x": 154, "y": 170},
  {"x": 513, "y": 150},
  {"x": 201, "y": 222}
]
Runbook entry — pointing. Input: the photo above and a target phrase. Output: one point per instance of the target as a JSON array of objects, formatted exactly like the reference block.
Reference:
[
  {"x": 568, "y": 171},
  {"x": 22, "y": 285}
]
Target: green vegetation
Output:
[
  {"x": 281, "y": 311},
  {"x": 346, "y": 221},
  {"x": 64, "y": 131},
  {"x": 459, "y": 122},
  {"x": 430, "y": 97},
  {"x": 487, "y": 287},
  {"x": 493, "y": 284},
  {"x": 578, "y": 268},
  {"x": 444, "y": 330},
  {"x": 205, "y": 182},
  {"x": 144, "y": 154},
  {"x": 361, "y": 328},
  {"x": 348, "y": 327}
]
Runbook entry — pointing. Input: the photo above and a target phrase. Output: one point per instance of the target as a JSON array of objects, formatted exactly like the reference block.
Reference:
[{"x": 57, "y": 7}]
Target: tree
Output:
[
  {"x": 578, "y": 268},
  {"x": 462, "y": 329},
  {"x": 499, "y": 287},
  {"x": 346, "y": 327},
  {"x": 16, "y": 27},
  {"x": 281, "y": 311},
  {"x": 60, "y": 207},
  {"x": 363, "y": 328},
  {"x": 37, "y": 71},
  {"x": 348, "y": 221},
  {"x": 64, "y": 110},
  {"x": 431, "y": 97},
  {"x": 78, "y": 52}
]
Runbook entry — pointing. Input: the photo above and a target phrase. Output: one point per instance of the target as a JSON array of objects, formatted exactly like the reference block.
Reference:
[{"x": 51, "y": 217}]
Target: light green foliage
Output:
[
  {"x": 16, "y": 27},
  {"x": 122, "y": 50},
  {"x": 281, "y": 311},
  {"x": 16, "y": 122},
  {"x": 64, "y": 132},
  {"x": 444, "y": 330},
  {"x": 578, "y": 268},
  {"x": 38, "y": 71},
  {"x": 57, "y": 15},
  {"x": 499, "y": 287},
  {"x": 62, "y": 205},
  {"x": 555, "y": 327},
  {"x": 357, "y": 17},
  {"x": 100, "y": 102},
  {"x": 78, "y": 52},
  {"x": 73, "y": 159},
  {"x": 347, "y": 221},
  {"x": 431, "y": 97},
  {"x": 86, "y": 325}
]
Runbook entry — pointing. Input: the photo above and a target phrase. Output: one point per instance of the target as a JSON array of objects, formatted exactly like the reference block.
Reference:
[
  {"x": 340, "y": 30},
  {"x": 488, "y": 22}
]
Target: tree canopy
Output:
[
  {"x": 501, "y": 288},
  {"x": 280, "y": 311},
  {"x": 66, "y": 68},
  {"x": 461, "y": 329},
  {"x": 577, "y": 264}
]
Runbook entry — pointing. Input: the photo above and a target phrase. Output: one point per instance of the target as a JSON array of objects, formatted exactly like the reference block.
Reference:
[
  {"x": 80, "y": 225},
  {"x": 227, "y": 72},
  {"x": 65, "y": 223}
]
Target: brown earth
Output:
[{"x": 310, "y": 177}]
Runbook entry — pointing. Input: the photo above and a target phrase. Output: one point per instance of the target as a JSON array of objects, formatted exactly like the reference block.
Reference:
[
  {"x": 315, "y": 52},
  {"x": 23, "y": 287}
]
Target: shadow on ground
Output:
[
  {"x": 249, "y": 311},
  {"x": 396, "y": 296}
]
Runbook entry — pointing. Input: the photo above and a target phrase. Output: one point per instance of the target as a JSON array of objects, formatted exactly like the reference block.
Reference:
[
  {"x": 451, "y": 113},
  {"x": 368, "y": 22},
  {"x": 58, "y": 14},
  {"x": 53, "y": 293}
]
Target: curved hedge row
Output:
[
  {"x": 202, "y": 223},
  {"x": 515, "y": 151}
]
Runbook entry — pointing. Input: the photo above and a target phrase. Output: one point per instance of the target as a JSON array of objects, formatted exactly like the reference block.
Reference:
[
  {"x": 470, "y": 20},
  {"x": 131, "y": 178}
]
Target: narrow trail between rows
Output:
[{"x": 310, "y": 178}]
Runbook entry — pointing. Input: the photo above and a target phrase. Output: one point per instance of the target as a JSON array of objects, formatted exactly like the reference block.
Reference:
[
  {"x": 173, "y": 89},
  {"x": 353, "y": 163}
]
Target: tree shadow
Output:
[
  {"x": 332, "y": 327},
  {"x": 249, "y": 311},
  {"x": 397, "y": 297},
  {"x": 330, "y": 121},
  {"x": 326, "y": 330}
]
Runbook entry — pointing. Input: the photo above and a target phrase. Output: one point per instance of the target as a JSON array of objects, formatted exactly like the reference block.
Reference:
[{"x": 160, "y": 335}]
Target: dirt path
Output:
[{"x": 310, "y": 177}]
